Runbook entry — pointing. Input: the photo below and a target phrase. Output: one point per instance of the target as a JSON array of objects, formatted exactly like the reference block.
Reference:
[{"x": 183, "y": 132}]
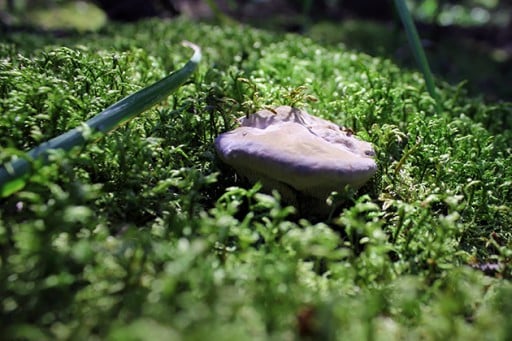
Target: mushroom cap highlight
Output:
[{"x": 288, "y": 146}]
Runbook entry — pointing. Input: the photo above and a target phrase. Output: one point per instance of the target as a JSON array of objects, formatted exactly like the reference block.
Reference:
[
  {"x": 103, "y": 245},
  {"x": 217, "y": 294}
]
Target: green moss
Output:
[
  {"x": 78, "y": 15},
  {"x": 145, "y": 235},
  {"x": 453, "y": 58}
]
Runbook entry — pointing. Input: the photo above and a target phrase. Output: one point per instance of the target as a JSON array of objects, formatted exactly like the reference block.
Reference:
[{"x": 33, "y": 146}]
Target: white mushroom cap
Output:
[{"x": 287, "y": 146}]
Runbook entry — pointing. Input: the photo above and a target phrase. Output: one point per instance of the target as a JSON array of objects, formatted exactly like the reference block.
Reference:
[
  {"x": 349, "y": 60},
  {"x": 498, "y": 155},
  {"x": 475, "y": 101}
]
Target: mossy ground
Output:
[
  {"x": 143, "y": 235},
  {"x": 455, "y": 59}
]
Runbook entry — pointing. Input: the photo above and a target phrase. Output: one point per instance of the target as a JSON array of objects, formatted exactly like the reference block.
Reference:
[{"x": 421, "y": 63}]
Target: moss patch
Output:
[{"x": 144, "y": 235}]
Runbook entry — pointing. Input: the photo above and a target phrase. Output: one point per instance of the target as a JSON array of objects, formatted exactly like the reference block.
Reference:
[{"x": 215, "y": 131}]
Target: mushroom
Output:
[{"x": 292, "y": 151}]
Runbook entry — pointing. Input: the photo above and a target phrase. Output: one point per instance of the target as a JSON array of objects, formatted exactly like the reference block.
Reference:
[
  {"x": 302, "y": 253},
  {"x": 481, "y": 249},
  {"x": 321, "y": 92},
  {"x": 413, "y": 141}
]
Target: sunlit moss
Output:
[
  {"x": 78, "y": 15},
  {"x": 146, "y": 234}
]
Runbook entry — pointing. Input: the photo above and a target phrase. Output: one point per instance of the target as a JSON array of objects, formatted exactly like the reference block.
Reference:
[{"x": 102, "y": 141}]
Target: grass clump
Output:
[{"x": 144, "y": 235}]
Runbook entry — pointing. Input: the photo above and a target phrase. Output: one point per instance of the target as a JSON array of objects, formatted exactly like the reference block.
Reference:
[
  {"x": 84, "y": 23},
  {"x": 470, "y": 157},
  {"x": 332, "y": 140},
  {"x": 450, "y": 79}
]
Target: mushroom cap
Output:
[{"x": 288, "y": 146}]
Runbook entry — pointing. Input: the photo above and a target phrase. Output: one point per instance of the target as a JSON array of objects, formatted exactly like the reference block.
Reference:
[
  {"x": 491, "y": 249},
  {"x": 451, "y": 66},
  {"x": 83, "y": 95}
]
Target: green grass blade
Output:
[
  {"x": 13, "y": 175},
  {"x": 218, "y": 14},
  {"x": 417, "y": 50}
]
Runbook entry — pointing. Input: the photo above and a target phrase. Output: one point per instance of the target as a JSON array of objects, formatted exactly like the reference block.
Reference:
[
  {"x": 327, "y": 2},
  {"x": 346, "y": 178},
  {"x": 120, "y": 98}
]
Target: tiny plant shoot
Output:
[{"x": 13, "y": 175}]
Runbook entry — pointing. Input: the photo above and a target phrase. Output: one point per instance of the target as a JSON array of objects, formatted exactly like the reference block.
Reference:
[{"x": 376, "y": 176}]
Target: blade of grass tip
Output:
[
  {"x": 14, "y": 175},
  {"x": 417, "y": 50}
]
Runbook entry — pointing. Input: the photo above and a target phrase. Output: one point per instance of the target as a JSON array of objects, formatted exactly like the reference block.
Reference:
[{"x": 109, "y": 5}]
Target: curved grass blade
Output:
[
  {"x": 14, "y": 175},
  {"x": 417, "y": 50}
]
